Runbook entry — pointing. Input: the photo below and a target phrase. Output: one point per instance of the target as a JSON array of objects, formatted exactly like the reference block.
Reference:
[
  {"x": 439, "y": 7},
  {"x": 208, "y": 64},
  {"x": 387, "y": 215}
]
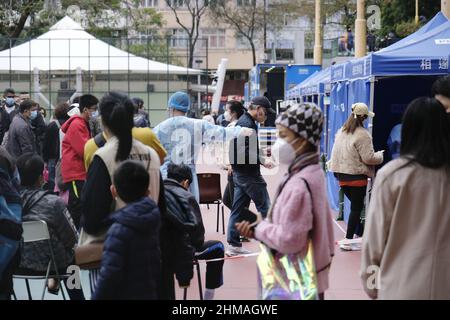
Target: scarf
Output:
[{"x": 301, "y": 162}]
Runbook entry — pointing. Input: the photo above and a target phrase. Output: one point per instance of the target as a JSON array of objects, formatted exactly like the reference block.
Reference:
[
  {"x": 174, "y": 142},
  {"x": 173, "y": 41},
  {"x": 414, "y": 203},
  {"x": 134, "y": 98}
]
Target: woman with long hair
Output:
[
  {"x": 353, "y": 161},
  {"x": 406, "y": 245},
  {"x": 116, "y": 111}
]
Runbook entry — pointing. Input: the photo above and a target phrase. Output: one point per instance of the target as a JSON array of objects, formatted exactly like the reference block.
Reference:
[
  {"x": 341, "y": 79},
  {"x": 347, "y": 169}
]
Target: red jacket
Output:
[{"x": 77, "y": 133}]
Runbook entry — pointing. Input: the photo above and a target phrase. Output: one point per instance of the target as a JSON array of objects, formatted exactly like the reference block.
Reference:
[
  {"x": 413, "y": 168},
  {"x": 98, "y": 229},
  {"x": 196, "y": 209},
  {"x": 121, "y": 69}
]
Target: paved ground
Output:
[{"x": 240, "y": 274}]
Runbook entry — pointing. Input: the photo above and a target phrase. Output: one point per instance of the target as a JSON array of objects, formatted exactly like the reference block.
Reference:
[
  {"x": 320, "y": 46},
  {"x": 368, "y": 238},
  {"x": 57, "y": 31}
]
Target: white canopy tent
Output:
[{"x": 68, "y": 47}]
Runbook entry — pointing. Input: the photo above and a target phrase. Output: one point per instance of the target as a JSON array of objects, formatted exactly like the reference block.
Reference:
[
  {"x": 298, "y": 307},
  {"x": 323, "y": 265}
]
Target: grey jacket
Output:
[
  {"x": 20, "y": 137},
  {"x": 42, "y": 205}
]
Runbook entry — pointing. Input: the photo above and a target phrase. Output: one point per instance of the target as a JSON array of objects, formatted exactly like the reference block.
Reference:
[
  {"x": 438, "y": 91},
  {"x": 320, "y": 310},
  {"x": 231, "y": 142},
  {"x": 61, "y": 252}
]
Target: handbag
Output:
[
  {"x": 288, "y": 276},
  {"x": 88, "y": 253}
]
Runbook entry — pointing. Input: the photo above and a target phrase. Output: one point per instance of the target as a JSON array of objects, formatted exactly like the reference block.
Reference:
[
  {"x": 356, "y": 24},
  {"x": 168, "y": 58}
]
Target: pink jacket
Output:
[{"x": 293, "y": 218}]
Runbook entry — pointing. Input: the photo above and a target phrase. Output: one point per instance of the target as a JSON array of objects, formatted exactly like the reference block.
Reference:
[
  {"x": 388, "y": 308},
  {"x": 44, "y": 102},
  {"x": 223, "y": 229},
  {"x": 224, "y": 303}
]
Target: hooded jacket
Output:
[
  {"x": 42, "y": 205},
  {"x": 76, "y": 134},
  {"x": 183, "y": 231},
  {"x": 131, "y": 262}
]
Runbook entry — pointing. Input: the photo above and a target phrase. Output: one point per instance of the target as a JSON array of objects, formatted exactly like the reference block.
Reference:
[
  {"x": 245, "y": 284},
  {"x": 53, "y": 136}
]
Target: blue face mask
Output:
[
  {"x": 33, "y": 115},
  {"x": 10, "y": 102},
  {"x": 94, "y": 115}
]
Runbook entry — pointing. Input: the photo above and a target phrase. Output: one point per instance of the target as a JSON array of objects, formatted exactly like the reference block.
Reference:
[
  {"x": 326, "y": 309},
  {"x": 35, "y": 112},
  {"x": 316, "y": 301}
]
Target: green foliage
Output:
[
  {"x": 404, "y": 29},
  {"x": 397, "y": 13}
]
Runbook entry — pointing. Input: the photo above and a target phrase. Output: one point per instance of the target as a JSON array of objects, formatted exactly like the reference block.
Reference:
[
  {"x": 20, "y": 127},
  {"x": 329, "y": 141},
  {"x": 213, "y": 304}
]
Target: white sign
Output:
[{"x": 442, "y": 41}]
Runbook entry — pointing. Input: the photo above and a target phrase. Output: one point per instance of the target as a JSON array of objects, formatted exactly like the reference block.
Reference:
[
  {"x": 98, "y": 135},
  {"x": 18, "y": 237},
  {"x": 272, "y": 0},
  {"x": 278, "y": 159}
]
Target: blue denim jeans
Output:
[{"x": 246, "y": 188}]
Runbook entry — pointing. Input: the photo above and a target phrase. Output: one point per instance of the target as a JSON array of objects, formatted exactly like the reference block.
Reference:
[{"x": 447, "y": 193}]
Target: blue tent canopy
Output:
[
  {"x": 375, "y": 80},
  {"x": 316, "y": 84}
]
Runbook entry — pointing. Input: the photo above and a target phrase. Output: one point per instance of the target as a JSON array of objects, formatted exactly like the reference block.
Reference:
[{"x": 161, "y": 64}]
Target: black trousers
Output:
[
  {"x": 74, "y": 205},
  {"x": 356, "y": 196},
  {"x": 212, "y": 249}
]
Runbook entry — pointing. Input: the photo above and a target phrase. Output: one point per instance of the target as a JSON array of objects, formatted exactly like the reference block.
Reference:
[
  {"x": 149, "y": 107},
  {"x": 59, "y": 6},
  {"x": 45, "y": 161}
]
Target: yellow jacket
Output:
[{"x": 144, "y": 135}]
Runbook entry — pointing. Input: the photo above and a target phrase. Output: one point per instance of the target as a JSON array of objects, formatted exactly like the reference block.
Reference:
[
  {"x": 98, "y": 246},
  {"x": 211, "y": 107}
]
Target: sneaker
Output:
[
  {"x": 236, "y": 251},
  {"x": 244, "y": 239},
  {"x": 350, "y": 247}
]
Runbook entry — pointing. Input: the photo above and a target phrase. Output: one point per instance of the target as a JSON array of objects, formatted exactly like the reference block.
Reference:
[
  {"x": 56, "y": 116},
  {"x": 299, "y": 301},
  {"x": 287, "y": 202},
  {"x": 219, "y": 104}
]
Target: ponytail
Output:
[{"x": 116, "y": 110}]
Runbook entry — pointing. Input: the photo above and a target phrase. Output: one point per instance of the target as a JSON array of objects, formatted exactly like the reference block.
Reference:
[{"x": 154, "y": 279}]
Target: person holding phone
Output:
[
  {"x": 300, "y": 212},
  {"x": 353, "y": 161}
]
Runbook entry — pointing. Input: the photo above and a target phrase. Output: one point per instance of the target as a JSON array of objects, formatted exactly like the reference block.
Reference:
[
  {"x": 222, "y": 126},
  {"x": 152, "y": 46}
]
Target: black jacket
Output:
[
  {"x": 39, "y": 126},
  {"x": 51, "y": 143},
  {"x": 244, "y": 151},
  {"x": 183, "y": 231}
]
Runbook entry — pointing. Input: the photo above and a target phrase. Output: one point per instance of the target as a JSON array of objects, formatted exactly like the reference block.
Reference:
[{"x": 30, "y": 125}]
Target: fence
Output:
[{"x": 101, "y": 71}]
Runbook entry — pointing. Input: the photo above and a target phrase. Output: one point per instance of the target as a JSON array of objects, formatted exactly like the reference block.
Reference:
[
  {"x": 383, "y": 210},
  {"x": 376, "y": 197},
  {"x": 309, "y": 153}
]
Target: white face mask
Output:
[
  {"x": 227, "y": 116},
  {"x": 283, "y": 152}
]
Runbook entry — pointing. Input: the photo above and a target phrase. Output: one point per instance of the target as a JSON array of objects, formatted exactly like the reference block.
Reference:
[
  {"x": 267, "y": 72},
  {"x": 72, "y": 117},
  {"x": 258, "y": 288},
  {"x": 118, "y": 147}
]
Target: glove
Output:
[{"x": 246, "y": 132}]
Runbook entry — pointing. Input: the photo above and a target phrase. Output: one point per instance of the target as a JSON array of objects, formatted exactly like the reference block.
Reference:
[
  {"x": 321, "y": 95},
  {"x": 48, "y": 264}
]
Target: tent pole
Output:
[
  {"x": 372, "y": 99},
  {"x": 199, "y": 94}
]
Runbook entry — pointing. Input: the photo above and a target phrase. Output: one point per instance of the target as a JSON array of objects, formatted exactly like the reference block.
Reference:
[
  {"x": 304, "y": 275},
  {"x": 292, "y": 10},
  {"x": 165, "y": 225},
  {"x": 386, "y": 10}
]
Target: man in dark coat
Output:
[{"x": 21, "y": 137}]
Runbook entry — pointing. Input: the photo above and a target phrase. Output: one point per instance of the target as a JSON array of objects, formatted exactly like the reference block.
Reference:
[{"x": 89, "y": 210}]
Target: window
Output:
[
  {"x": 176, "y": 3},
  {"x": 241, "y": 3},
  {"x": 216, "y": 38},
  {"x": 179, "y": 38},
  {"x": 149, "y": 3}
]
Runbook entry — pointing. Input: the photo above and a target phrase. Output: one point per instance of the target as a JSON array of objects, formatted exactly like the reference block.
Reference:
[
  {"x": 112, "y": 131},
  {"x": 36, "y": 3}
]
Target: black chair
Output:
[
  {"x": 199, "y": 277},
  {"x": 211, "y": 193}
]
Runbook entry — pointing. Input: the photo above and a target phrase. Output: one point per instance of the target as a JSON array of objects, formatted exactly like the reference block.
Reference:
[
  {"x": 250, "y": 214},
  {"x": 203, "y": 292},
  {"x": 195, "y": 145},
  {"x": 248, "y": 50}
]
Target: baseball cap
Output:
[
  {"x": 361, "y": 109},
  {"x": 263, "y": 102}
]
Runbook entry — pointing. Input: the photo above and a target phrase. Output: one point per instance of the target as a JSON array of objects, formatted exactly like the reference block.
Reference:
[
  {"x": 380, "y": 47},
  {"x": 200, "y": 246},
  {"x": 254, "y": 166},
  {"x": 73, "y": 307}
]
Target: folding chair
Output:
[
  {"x": 199, "y": 277},
  {"x": 34, "y": 231},
  {"x": 211, "y": 193}
]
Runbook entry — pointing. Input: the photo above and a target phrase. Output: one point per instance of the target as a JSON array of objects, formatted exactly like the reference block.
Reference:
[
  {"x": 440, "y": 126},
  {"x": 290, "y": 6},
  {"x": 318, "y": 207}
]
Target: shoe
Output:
[
  {"x": 53, "y": 286},
  {"x": 350, "y": 247},
  {"x": 236, "y": 251},
  {"x": 244, "y": 239}
]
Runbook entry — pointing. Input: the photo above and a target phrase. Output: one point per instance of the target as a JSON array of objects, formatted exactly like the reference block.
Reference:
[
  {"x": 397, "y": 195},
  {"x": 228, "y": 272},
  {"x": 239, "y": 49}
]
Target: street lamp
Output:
[
  {"x": 417, "y": 12},
  {"x": 318, "y": 36},
  {"x": 360, "y": 30},
  {"x": 445, "y": 7}
]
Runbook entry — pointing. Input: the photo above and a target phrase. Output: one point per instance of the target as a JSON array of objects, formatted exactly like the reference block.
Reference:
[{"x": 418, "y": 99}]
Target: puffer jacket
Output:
[
  {"x": 353, "y": 154},
  {"x": 184, "y": 227},
  {"x": 131, "y": 262},
  {"x": 42, "y": 205}
]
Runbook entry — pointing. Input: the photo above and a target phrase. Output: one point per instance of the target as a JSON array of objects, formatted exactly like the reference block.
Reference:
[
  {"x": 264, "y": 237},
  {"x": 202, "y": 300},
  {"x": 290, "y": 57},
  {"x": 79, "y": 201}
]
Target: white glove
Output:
[{"x": 246, "y": 132}]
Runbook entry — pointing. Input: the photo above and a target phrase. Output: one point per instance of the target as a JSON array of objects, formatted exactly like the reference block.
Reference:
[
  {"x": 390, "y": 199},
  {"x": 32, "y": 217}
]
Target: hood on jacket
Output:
[
  {"x": 67, "y": 124},
  {"x": 178, "y": 208},
  {"x": 30, "y": 197},
  {"x": 138, "y": 215}
]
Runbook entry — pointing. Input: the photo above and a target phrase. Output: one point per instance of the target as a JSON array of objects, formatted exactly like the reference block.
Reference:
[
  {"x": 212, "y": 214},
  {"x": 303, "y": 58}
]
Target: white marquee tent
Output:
[{"x": 68, "y": 47}]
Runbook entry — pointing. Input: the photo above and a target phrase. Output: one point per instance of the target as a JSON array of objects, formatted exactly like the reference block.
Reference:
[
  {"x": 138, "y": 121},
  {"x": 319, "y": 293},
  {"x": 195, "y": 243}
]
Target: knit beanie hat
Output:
[{"x": 305, "y": 119}]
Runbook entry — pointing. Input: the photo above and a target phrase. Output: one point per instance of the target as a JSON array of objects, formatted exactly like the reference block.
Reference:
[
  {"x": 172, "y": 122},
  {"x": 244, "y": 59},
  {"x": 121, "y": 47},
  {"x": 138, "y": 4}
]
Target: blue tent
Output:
[{"x": 387, "y": 81}]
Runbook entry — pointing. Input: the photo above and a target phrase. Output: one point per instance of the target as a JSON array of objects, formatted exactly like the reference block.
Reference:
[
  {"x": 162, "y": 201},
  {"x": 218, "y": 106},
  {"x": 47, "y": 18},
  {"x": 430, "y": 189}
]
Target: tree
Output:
[
  {"x": 196, "y": 9},
  {"x": 395, "y": 12}
]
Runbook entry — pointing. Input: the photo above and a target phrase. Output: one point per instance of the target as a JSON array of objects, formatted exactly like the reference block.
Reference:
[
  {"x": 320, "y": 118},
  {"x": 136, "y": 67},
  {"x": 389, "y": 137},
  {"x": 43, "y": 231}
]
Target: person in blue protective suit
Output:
[{"x": 182, "y": 137}]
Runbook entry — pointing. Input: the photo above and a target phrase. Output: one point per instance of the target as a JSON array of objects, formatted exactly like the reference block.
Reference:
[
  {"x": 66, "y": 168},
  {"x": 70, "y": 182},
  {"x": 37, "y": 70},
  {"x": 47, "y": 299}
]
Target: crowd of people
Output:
[{"x": 101, "y": 179}]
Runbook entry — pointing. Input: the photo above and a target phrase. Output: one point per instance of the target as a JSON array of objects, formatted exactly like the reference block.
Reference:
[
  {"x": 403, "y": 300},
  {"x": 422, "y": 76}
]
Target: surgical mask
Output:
[
  {"x": 227, "y": 116},
  {"x": 283, "y": 152},
  {"x": 94, "y": 115},
  {"x": 10, "y": 102},
  {"x": 33, "y": 115}
]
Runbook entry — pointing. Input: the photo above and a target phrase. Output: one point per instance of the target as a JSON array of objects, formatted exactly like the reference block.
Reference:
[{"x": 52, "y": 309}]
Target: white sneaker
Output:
[
  {"x": 236, "y": 251},
  {"x": 350, "y": 247}
]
